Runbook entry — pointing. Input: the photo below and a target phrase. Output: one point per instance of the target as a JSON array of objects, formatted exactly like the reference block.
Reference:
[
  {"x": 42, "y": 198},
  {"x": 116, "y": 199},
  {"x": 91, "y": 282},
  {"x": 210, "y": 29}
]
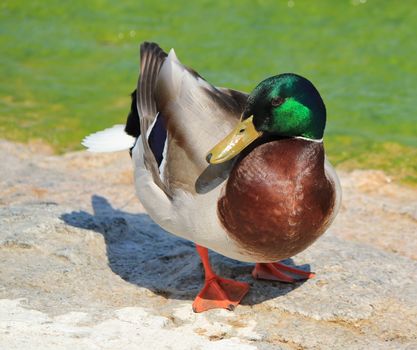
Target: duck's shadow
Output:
[{"x": 142, "y": 253}]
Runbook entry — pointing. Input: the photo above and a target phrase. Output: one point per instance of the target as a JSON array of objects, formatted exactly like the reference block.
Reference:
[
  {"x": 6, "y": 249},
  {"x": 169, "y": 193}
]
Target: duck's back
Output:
[
  {"x": 181, "y": 117},
  {"x": 278, "y": 199}
]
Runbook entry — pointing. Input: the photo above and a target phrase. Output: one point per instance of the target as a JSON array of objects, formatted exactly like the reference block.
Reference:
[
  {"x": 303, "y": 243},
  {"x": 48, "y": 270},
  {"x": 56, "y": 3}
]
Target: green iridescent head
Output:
[{"x": 287, "y": 105}]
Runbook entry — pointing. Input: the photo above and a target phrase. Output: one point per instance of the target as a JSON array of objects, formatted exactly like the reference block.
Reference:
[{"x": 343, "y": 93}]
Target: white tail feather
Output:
[{"x": 109, "y": 140}]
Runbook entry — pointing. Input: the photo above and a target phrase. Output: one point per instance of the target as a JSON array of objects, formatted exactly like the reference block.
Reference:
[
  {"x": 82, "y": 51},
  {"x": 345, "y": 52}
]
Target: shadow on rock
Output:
[{"x": 142, "y": 253}]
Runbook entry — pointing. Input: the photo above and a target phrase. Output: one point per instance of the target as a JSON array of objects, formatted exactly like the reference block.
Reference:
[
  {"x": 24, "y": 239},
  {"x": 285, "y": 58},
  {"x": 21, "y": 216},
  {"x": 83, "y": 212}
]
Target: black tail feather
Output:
[{"x": 132, "y": 124}]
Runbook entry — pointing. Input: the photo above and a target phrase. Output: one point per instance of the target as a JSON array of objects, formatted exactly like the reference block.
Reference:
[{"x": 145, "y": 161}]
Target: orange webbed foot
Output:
[
  {"x": 217, "y": 293},
  {"x": 280, "y": 272},
  {"x": 220, "y": 293}
]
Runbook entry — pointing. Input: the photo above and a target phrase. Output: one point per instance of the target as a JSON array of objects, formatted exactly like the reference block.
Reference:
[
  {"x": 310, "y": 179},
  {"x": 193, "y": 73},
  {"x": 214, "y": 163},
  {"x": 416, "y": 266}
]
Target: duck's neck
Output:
[
  {"x": 295, "y": 155},
  {"x": 296, "y": 144},
  {"x": 308, "y": 139}
]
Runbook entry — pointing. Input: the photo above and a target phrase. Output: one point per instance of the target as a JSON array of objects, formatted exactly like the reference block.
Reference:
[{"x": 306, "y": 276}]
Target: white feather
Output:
[
  {"x": 109, "y": 140},
  {"x": 148, "y": 132},
  {"x": 172, "y": 56},
  {"x": 164, "y": 160}
]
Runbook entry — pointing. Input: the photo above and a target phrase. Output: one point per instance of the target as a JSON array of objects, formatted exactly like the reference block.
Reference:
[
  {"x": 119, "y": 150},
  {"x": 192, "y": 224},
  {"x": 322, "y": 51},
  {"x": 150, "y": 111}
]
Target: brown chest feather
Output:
[{"x": 278, "y": 200}]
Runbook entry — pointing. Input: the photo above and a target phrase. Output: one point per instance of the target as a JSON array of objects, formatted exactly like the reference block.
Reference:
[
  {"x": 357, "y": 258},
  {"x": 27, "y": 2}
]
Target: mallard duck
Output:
[{"x": 244, "y": 175}]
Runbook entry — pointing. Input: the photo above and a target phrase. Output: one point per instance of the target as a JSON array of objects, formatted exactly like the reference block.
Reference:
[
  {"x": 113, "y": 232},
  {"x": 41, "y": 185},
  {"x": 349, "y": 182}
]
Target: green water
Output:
[{"x": 67, "y": 68}]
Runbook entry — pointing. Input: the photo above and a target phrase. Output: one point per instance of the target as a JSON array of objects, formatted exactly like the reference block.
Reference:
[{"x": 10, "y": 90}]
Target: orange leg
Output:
[
  {"x": 217, "y": 292},
  {"x": 279, "y": 272}
]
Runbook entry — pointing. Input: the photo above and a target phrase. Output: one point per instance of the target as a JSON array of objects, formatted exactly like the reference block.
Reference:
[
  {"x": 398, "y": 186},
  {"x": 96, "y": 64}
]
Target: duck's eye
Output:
[{"x": 276, "y": 101}]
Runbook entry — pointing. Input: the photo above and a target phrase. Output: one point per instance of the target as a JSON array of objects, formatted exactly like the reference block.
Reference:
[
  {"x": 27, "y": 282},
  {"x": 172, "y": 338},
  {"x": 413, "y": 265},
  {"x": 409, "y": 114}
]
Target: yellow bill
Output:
[{"x": 243, "y": 135}]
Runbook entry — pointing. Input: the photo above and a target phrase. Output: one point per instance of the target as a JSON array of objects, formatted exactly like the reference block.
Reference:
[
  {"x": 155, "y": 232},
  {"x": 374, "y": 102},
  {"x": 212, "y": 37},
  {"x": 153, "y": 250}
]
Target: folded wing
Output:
[{"x": 196, "y": 115}]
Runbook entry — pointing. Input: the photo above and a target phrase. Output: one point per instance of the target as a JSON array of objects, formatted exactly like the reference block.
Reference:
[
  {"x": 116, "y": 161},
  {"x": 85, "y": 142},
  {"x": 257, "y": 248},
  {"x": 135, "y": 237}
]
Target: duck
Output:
[{"x": 244, "y": 175}]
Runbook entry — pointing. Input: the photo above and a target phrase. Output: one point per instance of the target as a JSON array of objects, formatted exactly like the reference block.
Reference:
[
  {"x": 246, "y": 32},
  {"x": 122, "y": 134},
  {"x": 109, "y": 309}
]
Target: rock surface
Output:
[{"x": 82, "y": 266}]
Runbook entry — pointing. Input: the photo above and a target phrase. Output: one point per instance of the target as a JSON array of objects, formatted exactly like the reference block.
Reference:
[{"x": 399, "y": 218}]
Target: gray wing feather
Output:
[
  {"x": 151, "y": 59},
  {"x": 197, "y": 115}
]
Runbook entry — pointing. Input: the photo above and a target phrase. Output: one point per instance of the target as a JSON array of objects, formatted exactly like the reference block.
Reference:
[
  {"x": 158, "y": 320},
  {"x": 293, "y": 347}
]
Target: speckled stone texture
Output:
[{"x": 84, "y": 267}]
